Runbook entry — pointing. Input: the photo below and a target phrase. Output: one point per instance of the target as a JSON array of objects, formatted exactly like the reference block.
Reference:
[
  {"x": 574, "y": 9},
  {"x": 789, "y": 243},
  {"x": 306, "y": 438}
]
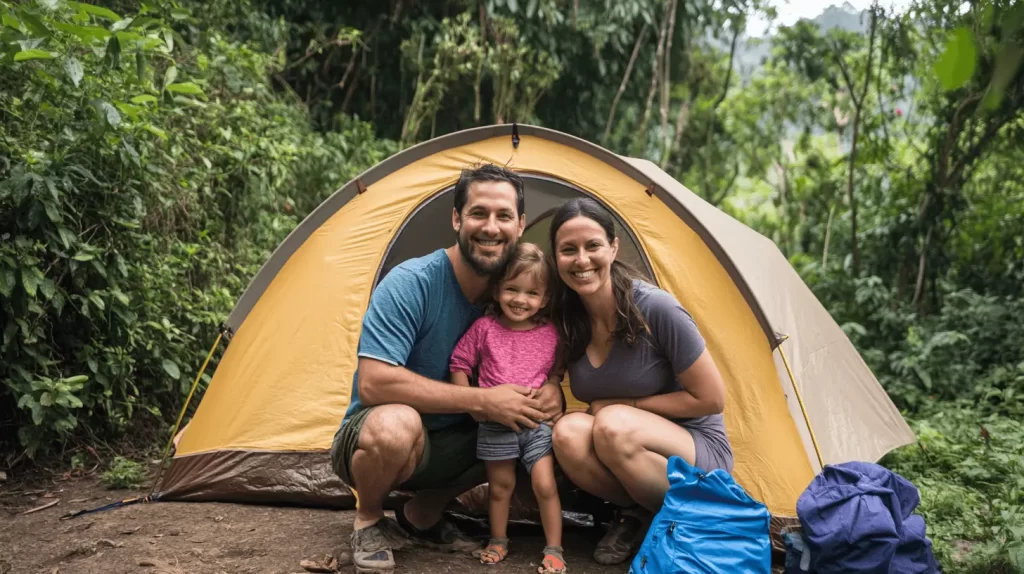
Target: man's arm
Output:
[
  {"x": 510, "y": 405},
  {"x": 381, "y": 383}
]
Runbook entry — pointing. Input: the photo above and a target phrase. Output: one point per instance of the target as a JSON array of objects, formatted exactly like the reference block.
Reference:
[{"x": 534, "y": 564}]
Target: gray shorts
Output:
[{"x": 495, "y": 441}]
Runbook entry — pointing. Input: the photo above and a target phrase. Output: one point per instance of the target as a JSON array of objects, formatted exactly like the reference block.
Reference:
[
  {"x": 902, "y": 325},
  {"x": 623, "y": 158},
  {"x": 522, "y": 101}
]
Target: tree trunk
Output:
[
  {"x": 655, "y": 76},
  {"x": 624, "y": 83}
]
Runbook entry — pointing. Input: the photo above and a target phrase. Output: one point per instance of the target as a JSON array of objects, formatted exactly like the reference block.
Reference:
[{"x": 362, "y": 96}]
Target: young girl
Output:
[{"x": 514, "y": 343}]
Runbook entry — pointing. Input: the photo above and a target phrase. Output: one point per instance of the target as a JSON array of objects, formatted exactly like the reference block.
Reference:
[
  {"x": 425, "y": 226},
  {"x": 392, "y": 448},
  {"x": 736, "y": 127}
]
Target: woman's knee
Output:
[
  {"x": 616, "y": 431},
  {"x": 573, "y": 435}
]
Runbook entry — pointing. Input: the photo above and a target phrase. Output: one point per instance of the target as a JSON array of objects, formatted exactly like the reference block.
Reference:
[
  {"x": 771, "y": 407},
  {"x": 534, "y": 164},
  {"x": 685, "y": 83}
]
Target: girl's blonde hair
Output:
[{"x": 527, "y": 258}]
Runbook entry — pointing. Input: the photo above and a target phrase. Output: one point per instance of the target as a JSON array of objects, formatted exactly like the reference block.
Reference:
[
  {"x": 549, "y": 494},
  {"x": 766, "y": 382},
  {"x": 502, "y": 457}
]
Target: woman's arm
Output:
[{"x": 704, "y": 394}]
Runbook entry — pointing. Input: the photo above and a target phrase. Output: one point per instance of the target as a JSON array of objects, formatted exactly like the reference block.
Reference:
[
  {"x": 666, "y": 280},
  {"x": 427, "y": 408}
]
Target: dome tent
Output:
[{"x": 798, "y": 394}]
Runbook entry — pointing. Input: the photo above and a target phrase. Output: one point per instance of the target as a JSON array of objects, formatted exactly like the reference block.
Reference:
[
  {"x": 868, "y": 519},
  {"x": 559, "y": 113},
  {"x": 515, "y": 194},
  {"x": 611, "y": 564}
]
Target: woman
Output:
[{"x": 635, "y": 355}]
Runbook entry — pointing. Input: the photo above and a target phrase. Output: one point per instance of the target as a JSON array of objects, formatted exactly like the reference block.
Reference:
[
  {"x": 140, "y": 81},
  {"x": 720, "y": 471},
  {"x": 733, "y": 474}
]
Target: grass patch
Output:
[{"x": 969, "y": 469}]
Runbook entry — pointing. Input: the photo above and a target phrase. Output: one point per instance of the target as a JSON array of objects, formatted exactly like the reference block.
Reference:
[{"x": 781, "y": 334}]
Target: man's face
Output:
[{"x": 489, "y": 226}]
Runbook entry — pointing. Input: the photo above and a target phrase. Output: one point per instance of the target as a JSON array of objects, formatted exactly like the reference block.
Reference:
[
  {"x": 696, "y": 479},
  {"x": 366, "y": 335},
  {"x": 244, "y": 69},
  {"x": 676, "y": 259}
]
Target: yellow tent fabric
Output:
[{"x": 283, "y": 383}]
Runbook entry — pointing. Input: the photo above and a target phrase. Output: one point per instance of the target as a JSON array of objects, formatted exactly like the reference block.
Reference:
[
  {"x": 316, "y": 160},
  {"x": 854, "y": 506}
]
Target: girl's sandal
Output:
[
  {"x": 496, "y": 551},
  {"x": 553, "y": 562}
]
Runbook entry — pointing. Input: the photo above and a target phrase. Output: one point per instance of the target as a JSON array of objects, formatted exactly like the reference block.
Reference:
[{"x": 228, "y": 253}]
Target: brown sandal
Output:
[
  {"x": 554, "y": 562},
  {"x": 496, "y": 551}
]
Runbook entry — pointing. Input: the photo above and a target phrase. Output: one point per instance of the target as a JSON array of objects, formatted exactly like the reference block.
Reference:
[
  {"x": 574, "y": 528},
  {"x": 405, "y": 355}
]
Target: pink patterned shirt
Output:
[{"x": 506, "y": 356}]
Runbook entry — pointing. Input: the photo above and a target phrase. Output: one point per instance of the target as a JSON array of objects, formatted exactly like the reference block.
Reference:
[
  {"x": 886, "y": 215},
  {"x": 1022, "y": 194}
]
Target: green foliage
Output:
[
  {"x": 124, "y": 474},
  {"x": 150, "y": 162},
  {"x": 956, "y": 65},
  {"x": 143, "y": 180},
  {"x": 969, "y": 468}
]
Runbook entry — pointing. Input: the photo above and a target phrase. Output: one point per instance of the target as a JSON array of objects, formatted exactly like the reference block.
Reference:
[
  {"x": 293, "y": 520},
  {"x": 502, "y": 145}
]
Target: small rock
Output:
[
  {"x": 3, "y": 476},
  {"x": 109, "y": 543},
  {"x": 147, "y": 562},
  {"x": 130, "y": 531},
  {"x": 344, "y": 559},
  {"x": 218, "y": 518},
  {"x": 174, "y": 532}
]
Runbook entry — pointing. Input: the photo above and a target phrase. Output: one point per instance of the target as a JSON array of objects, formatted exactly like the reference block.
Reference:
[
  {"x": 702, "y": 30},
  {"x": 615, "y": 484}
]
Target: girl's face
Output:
[
  {"x": 584, "y": 255},
  {"x": 520, "y": 298}
]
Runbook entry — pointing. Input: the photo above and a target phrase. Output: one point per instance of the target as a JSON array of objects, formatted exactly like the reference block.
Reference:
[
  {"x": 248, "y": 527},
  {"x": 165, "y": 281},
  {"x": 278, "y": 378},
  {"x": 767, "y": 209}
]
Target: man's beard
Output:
[{"x": 485, "y": 267}]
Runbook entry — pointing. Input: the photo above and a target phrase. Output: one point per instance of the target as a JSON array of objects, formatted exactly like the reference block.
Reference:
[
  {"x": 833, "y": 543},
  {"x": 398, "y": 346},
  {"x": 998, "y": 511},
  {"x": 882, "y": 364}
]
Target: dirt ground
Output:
[{"x": 175, "y": 537}]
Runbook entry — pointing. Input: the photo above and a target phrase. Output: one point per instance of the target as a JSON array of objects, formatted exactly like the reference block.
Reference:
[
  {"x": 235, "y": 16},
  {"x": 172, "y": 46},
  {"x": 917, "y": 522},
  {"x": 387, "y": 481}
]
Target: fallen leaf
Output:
[{"x": 325, "y": 564}]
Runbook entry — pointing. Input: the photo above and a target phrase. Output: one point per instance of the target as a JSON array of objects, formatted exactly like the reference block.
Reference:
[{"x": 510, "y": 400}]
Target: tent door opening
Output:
[{"x": 429, "y": 227}]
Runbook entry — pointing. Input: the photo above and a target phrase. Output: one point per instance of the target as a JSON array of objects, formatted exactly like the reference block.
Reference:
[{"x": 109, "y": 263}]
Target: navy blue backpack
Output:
[
  {"x": 708, "y": 523},
  {"x": 858, "y": 517}
]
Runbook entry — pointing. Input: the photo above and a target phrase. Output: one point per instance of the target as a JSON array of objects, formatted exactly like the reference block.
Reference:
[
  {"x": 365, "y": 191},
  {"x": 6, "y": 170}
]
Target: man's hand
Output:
[
  {"x": 512, "y": 406},
  {"x": 550, "y": 397}
]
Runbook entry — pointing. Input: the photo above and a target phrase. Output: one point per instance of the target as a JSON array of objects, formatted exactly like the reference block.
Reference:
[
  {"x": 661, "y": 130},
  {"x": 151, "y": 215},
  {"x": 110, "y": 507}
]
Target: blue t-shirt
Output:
[{"x": 416, "y": 316}]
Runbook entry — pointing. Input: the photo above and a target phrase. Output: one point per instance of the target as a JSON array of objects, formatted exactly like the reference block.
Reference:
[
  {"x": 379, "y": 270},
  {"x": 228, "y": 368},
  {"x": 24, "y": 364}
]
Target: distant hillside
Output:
[{"x": 752, "y": 51}]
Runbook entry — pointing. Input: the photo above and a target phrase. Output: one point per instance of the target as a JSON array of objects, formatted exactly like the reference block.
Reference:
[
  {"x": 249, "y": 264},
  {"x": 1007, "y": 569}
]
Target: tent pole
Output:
[
  {"x": 181, "y": 415},
  {"x": 803, "y": 409}
]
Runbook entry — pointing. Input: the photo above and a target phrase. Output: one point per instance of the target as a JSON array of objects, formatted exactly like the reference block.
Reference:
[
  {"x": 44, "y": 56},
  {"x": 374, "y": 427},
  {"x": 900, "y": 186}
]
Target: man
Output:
[{"x": 407, "y": 427}]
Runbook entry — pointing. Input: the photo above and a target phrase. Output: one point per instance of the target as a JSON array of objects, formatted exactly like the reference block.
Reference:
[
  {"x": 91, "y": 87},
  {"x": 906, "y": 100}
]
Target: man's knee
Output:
[
  {"x": 615, "y": 431},
  {"x": 572, "y": 434},
  {"x": 392, "y": 430}
]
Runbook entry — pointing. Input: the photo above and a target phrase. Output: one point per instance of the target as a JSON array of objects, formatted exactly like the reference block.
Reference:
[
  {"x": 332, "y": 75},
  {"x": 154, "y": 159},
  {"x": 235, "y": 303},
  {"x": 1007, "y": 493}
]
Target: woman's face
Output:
[{"x": 584, "y": 256}]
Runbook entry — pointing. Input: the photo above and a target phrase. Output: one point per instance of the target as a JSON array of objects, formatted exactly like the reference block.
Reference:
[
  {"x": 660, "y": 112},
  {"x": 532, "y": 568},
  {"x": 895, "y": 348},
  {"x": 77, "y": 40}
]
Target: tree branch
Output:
[
  {"x": 846, "y": 75},
  {"x": 625, "y": 82},
  {"x": 717, "y": 103},
  {"x": 666, "y": 78},
  {"x": 858, "y": 109},
  {"x": 728, "y": 187}
]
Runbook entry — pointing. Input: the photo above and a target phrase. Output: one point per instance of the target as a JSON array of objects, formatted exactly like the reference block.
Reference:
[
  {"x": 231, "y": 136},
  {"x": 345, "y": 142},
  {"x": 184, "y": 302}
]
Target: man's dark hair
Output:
[{"x": 488, "y": 172}]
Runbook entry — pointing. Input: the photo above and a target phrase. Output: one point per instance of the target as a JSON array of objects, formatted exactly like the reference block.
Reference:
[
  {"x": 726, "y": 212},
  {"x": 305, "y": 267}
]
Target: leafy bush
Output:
[
  {"x": 124, "y": 473},
  {"x": 143, "y": 181}
]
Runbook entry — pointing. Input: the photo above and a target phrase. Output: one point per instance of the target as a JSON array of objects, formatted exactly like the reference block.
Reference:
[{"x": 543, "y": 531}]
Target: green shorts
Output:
[{"x": 449, "y": 456}]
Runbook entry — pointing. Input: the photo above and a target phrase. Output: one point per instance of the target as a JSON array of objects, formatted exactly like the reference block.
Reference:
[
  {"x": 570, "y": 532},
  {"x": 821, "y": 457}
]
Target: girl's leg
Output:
[
  {"x": 501, "y": 476},
  {"x": 546, "y": 491},
  {"x": 573, "y": 442},
  {"x": 635, "y": 446},
  {"x": 544, "y": 488}
]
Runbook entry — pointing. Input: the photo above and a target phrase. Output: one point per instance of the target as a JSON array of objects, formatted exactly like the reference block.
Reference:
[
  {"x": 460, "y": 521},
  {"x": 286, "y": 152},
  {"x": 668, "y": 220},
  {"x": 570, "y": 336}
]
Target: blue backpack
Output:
[
  {"x": 858, "y": 517},
  {"x": 707, "y": 523}
]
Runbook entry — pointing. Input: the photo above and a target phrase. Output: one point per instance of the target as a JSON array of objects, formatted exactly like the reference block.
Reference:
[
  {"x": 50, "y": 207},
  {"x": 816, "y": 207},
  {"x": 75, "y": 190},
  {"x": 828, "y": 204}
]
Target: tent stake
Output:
[
  {"x": 181, "y": 415},
  {"x": 800, "y": 399}
]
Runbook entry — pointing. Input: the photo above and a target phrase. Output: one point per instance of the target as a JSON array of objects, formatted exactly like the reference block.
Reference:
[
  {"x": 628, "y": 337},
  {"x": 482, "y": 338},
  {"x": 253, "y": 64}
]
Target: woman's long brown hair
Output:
[{"x": 568, "y": 313}]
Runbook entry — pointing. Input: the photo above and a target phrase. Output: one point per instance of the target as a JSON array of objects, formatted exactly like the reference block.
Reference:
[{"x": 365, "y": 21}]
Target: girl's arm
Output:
[
  {"x": 466, "y": 355},
  {"x": 460, "y": 378}
]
